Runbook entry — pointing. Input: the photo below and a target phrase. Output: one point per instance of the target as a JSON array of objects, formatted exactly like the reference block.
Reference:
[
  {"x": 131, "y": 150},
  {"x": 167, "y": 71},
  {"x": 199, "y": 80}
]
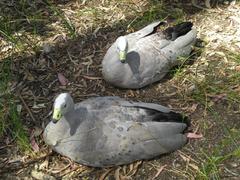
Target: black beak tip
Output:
[
  {"x": 54, "y": 121},
  {"x": 123, "y": 61}
]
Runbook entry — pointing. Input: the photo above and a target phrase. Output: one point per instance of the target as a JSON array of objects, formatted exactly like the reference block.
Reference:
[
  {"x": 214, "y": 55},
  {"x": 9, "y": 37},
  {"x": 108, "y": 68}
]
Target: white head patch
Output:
[
  {"x": 122, "y": 43},
  {"x": 60, "y": 100}
]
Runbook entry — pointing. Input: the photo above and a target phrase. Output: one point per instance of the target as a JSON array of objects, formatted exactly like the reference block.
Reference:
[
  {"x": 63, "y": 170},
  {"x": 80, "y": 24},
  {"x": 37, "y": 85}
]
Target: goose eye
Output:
[{"x": 65, "y": 105}]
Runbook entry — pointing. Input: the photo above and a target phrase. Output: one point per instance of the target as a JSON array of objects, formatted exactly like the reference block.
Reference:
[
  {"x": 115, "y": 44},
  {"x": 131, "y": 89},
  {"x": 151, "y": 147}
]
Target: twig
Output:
[
  {"x": 91, "y": 77},
  {"x": 70, "y": 57},
  {"x": 103, "y": 176},
  {"x": 88, "y": 95},
  {"x": 7, "y": 145},
  {"x": 27, "y": 108},
  {"x": 75, "y": 169},
  {"x": 232, "y": 173},
  {"x": 159, "y": 170},
  {"x": 23, "y": 164},
  {"x": 2, "y": 147},
  {"x": 62, "y": 169}
]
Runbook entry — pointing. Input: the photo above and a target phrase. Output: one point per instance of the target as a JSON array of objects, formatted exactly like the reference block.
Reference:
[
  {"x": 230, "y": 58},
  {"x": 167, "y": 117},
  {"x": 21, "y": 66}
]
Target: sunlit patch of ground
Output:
[{"x": 72, "y": 40}]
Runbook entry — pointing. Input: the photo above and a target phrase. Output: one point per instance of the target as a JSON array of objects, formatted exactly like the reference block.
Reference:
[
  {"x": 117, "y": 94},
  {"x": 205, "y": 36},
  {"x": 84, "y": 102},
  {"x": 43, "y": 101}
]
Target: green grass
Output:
[
  {"x": 216, "y": 83},
  {"x": 66, "y": 22},
  {"x": 17, "y": 22},
  {"x": 26, "y": 22},
  {"x": 21, "y": 25},
  {"x": 10, "y": 120},
  {"x": 4, "y": 79},
  {"x": 6, "y": 31},
  {"x": 157, "y": 11},
  {"x": 211, "y": 166}
]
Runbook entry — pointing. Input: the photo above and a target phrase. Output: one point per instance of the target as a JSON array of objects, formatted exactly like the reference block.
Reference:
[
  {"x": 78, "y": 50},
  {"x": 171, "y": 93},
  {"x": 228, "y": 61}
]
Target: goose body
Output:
[
  {"x": 150, "y": 55},
  {"x": 109, "y": 131}
]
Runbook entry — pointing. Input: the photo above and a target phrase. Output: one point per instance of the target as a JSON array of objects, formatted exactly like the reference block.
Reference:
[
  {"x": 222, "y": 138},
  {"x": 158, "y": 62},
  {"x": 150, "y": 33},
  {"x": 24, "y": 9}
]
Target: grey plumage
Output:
[
  {"x": 151, "y": 54},
  {"x": 108, "y": 131}
]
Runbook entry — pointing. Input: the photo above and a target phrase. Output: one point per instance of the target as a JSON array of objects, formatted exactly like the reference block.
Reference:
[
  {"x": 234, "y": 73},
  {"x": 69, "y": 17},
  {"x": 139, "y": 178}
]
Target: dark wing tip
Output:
[
  {"x": 178, "y": 30},
  {"x": 171, "y": 116}
]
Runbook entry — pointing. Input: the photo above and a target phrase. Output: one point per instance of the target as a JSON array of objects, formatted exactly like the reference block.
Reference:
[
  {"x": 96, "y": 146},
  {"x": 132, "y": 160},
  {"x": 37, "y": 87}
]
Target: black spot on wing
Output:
[
  {"x": 178, "y": 30},
  {"x": 159, "y": 116},
  {"x": 171, "y": 117}
]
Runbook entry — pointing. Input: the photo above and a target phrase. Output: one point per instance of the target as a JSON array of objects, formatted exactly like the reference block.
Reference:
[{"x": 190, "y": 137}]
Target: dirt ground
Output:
[{"x": 79, "y": 60}]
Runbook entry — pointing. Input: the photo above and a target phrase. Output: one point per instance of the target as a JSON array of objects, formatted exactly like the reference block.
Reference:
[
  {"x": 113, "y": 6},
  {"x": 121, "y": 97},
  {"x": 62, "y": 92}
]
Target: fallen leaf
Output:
[
  {"x": 91, "y": 77},
  {"x": 194, "y": 166},
  {"x": 34, "y": 145},
  {"x": 194, "y": 136},
  {"x": 62, "y": 79}
]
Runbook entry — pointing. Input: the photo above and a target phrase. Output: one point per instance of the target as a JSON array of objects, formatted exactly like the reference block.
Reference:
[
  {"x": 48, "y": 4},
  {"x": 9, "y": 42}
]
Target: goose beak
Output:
[
  {"x": 57, "y": 115},
  {"x": 122, "y": 56}
]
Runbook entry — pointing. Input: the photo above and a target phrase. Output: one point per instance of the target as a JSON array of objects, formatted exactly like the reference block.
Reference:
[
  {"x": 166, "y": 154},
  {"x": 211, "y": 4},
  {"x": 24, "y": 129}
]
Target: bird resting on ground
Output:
[
  {"x": 110, "y": 131},
  {"x": 146, "y": 56}
]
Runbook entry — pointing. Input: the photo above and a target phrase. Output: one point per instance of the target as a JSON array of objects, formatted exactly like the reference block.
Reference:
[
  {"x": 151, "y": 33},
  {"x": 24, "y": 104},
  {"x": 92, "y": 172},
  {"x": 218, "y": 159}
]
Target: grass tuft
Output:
[
  {"x": 66, "y": 22},
  {"x": 157, "y": 11},
  {"x": 213, "y": 82},
  {"x": 9, "y": 116},
  {"x": 211, "y": 168}
]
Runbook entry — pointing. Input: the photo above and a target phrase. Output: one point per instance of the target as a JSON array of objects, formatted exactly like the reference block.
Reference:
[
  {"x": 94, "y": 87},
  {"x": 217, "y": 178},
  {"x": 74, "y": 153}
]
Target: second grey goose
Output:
[{"x": 146, "y": 56}]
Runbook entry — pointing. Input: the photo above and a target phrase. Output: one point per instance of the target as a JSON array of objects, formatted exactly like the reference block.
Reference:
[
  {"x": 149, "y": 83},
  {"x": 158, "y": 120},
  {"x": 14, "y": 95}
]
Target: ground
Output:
[{"x": 48, "y": 47}]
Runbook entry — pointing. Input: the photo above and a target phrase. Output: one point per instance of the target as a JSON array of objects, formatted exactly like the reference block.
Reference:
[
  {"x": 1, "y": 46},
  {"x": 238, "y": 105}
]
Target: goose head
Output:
[
  {"x": 122, "y": 48},
  {"x": 62, "y": 105}
]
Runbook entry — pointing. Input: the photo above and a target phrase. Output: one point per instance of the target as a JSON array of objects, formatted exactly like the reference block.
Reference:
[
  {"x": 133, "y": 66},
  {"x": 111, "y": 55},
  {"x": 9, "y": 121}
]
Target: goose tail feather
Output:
[{"x": 180, "y": 29}]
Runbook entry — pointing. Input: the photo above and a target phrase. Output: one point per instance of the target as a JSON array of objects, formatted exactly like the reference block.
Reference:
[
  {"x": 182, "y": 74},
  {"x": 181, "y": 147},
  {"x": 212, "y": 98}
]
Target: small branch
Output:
[
  {"x": 22, "y": 165},
  {"x": 27, "y": 108}
]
